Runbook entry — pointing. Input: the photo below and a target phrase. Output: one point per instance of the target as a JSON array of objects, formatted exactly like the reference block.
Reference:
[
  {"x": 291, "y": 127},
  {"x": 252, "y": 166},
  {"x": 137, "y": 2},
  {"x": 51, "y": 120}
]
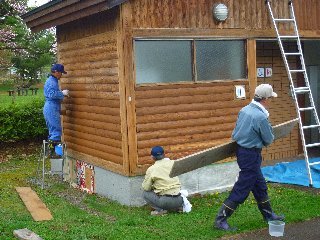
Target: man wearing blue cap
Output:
[
  {"x": 161, "y": 191},
  {"x": 51, "y": 110}
]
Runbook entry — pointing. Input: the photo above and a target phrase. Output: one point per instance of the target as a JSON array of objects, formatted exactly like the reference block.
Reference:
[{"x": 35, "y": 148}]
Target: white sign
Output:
[
  {"x": 260, "y": 72},
  {"x": 268, "y": 72},
  {"x": 240, "y": 91}
]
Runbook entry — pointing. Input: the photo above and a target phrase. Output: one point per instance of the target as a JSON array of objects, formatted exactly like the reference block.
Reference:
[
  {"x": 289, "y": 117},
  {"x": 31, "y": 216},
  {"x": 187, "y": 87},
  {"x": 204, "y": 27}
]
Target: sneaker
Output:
[{"x": 158, "y": 213}]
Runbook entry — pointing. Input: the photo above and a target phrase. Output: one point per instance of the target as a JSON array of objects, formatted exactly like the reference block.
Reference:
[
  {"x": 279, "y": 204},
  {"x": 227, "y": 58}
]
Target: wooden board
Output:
[
  {"x": 36, "y": 207},
  {"x": 223, "y": 151}
]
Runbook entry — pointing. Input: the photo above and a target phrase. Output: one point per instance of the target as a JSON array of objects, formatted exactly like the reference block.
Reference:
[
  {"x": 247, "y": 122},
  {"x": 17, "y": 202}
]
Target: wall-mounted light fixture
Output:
[{"x": 220, "y": 12}]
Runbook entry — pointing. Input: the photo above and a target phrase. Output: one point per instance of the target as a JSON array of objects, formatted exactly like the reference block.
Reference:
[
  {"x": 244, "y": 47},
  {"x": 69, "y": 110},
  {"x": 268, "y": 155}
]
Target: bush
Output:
[{"x": 22, "y": 121}]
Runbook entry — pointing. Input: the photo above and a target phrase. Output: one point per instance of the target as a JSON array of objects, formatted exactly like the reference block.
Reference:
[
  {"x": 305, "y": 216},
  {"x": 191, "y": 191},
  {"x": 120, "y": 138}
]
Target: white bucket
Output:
[{"x": 276, "y": 228}]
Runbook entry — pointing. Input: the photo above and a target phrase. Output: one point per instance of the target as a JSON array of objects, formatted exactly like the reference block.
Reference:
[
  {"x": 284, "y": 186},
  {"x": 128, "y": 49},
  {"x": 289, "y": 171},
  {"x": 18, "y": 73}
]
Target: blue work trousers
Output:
[
  {"x": 51, "y": 112},
  {"x": 250, "y": 176}
]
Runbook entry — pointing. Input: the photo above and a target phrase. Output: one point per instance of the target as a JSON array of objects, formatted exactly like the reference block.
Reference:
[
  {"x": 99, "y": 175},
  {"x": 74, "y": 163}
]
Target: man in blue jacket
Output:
[
  {"x": 252, "y": 132},
  {"x": 51, "y": 110}
]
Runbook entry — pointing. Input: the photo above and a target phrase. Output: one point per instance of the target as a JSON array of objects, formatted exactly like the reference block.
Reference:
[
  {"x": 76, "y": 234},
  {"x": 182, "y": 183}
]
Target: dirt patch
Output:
[
  {"x": 76, "y": 197},
  {"x": 23, "y": 148}
]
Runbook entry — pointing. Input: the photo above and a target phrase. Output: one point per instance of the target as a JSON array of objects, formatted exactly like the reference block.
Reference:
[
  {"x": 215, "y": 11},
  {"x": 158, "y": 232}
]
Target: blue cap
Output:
[
  {"x": 157, "y": 151},
  {"x": 58, "y": 68}
]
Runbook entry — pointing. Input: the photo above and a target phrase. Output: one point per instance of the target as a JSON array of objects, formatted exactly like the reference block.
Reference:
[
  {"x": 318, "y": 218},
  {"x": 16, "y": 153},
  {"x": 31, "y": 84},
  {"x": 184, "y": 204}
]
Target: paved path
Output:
[{"x": 307, "y": 230}]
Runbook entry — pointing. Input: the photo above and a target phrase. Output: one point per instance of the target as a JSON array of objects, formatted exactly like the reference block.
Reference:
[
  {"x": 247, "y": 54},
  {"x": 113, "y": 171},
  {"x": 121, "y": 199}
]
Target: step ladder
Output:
[
  {"x": 43, "y": 169},
  {"x": 289, "y": 24}
]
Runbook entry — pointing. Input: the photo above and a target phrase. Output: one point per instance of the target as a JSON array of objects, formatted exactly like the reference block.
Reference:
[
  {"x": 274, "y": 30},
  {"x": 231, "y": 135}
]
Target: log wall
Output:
[
  {"x": 92, "y": 126},
  {"x": 245, "y": 14},
  {"x": 185, "y": 119}
]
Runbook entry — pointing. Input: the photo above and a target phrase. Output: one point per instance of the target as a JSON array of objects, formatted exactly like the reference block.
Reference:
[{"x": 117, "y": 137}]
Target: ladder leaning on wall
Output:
[{"x": 282, "y": 24}]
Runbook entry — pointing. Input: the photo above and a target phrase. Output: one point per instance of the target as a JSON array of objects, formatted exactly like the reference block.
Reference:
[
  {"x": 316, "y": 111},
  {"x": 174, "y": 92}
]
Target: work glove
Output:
[{"x": 65, "y": 92}]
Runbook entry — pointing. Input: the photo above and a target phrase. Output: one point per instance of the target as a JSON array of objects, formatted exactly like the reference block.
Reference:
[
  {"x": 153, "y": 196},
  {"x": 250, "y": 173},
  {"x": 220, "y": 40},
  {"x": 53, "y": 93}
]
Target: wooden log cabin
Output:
[{"x": 161, "y": 72}]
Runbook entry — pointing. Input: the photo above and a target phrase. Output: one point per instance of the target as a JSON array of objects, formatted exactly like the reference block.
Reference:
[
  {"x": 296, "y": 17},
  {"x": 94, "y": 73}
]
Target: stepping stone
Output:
[{"x": 26, "y": 234}]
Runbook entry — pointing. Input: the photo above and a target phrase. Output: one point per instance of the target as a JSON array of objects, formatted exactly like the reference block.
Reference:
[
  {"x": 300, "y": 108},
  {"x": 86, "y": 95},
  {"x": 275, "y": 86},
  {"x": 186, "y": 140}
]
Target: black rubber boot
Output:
[
  {"x": 226, "y": 210},
  {"x": 267, "y": 213}
]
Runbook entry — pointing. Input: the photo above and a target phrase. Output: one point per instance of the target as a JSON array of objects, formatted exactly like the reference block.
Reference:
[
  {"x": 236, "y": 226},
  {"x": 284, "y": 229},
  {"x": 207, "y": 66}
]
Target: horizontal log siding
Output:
[
  {"x": 282, "y": 108},
  {"x": 92, "y": 125},
  {"x": 185, "y": 118},
  {"x": 243, "y": 14}
]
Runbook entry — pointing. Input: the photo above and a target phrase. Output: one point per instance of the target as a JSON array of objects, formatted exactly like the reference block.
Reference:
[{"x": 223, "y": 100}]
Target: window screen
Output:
[
  {"x": 220, "y": 60},
  {"x": 163, "y": 61}
]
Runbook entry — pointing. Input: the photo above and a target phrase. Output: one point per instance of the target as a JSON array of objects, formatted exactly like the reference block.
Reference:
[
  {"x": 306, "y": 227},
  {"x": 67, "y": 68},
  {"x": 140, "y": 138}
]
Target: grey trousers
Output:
[{"x": 163, "y": 202}]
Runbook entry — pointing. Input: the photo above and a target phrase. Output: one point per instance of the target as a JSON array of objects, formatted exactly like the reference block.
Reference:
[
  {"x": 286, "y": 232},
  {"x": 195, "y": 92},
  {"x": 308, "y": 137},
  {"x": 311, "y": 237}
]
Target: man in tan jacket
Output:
[{"x": 161, "y": 191}]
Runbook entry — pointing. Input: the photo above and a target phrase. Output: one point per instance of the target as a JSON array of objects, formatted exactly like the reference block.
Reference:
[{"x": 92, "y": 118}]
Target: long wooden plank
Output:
[
  {"x": 36, "y": 207},
  {"x": 223, "y": 151}
]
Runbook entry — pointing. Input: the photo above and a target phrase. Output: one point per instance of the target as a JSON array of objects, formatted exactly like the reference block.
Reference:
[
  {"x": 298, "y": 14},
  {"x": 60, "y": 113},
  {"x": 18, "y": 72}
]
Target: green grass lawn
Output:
[
  {"x": 5, "y": 99},
  {"x": 80, "y": 216}
]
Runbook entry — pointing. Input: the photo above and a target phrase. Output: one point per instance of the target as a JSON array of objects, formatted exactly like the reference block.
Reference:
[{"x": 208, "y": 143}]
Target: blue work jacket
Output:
[
  {"x": 52, "y": 92},
  {"x": 253, "y": 129}
]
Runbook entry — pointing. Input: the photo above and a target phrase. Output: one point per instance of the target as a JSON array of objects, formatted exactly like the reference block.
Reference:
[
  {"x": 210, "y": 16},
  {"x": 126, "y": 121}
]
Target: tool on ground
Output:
[{"x": 291, "y": 51}]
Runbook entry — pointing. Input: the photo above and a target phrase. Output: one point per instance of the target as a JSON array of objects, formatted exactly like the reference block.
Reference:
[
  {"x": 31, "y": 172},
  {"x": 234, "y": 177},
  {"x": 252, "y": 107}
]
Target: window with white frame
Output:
[{"x": 171, "y": 61}]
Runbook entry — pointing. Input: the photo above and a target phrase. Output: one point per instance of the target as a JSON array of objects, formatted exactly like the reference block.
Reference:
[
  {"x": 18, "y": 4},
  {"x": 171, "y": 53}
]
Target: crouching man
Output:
[{"x": 161, "y": 191}]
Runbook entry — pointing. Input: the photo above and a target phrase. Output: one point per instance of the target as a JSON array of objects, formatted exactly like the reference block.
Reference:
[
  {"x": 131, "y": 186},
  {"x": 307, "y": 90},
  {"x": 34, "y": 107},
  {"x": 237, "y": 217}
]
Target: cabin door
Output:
[{"x": 312, "y": 60}]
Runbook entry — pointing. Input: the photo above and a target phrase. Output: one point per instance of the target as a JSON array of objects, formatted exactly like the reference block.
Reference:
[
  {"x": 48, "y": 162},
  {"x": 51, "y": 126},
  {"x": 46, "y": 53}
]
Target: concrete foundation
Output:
[{"x": 127, "y": 190}]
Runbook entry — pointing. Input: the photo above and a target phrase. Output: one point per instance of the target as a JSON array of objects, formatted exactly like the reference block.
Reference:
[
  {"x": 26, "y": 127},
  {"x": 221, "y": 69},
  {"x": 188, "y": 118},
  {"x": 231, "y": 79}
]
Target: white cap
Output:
[{"x": 264, "y": 91}]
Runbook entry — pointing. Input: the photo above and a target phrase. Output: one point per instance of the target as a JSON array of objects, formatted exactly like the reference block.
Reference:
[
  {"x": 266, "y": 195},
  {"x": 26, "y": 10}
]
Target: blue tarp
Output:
[{"x": 293, "y": 173}]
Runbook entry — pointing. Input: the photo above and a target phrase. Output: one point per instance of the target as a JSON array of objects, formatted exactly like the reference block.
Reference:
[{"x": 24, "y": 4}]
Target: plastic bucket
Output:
[
  {"x": 59, "y": 150},
  {"x": 276, "y": 228}
]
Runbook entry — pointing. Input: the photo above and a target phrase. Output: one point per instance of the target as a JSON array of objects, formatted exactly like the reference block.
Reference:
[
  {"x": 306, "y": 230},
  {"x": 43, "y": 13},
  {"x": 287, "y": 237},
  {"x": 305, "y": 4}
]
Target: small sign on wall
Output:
[
  {"x": 268, "y": 72},
  {"x": 264, "y": 72},
  {"x": 240, "y": 91},
  {"x": 260, "y": 72}
]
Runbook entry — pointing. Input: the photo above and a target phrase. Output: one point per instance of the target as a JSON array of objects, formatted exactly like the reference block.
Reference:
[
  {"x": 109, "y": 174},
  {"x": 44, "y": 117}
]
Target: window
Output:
[
  {"x": 163, "y": 61},
  {"x": 220, "y": 60},
  {"x": 168, "y": 61}
]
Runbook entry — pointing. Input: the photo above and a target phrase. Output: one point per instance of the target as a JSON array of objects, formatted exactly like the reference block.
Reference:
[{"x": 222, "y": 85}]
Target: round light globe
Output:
[{"x": 220, "y": 12}]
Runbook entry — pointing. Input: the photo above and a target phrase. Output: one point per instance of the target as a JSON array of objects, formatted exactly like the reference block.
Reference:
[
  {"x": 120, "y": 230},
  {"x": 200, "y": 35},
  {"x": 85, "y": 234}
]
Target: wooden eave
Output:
[{"x": 58, "y": 12}]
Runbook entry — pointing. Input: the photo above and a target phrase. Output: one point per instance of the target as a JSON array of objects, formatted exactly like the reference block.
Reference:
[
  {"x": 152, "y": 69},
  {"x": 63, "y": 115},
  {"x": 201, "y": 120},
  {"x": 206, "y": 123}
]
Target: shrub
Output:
[{"x": 22, "y": 121}]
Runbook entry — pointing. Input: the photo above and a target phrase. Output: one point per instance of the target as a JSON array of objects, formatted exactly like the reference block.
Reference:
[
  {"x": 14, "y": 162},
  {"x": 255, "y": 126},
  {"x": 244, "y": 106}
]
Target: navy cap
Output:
[
  {"x": 58, "y": 68},
  {"x": 157, "y": 151}
]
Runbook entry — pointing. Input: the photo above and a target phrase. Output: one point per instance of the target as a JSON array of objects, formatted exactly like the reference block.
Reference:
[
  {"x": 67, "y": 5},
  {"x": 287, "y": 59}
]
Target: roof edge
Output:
[{"x": 40, "y": 8}]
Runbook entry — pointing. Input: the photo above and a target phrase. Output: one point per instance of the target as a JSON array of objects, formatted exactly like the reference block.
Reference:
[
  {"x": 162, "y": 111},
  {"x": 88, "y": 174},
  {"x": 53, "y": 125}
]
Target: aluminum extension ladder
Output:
[{"x": 297, "y": 91}]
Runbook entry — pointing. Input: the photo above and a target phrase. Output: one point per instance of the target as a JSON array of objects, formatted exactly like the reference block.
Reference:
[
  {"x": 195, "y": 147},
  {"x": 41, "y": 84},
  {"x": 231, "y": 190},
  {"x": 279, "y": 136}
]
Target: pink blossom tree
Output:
[{"x": 27, "y": 52}]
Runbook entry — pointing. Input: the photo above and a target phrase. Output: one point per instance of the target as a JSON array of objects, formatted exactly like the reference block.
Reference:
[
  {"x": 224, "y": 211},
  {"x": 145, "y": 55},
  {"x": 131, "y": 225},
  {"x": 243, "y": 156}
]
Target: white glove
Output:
[{"x": 65, "y": 92}]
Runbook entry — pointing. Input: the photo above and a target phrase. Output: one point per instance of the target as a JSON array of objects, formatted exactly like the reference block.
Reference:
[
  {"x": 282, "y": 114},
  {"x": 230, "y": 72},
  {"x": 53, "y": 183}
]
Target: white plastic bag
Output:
[{"x": 187, "y": 206}]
